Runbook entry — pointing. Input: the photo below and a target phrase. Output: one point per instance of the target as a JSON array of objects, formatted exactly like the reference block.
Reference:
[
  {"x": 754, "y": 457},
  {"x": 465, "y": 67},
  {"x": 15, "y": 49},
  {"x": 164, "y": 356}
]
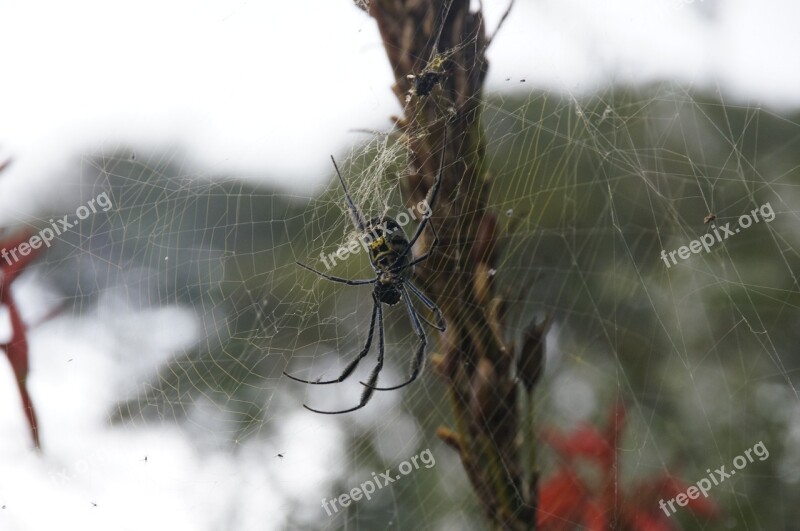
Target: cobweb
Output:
[{"x": 193, "y": 278}]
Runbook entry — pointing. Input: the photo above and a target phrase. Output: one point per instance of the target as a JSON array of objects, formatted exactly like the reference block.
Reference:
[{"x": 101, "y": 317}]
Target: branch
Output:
[{"x": 436, "y": 49}]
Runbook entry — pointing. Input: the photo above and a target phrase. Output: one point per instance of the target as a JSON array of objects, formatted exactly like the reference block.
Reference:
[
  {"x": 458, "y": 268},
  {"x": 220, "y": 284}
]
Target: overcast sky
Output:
[{"x": 270, "y": 89}]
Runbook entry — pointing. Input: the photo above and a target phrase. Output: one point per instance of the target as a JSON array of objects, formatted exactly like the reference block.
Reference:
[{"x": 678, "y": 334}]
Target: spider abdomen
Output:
[{"x": 387, "y": 293}]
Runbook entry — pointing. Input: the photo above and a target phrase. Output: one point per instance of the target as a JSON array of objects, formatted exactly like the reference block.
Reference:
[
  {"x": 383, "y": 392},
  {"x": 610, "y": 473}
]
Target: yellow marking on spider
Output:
[
  {"x": 436, "y": 63},
  {"x": 377, "y": 243}
]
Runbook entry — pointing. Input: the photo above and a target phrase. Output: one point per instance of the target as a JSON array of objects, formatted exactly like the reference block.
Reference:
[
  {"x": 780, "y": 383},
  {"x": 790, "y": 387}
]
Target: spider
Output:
[
  {"x": 392, "y": 260},
  {"x": 425, "y": 82}
]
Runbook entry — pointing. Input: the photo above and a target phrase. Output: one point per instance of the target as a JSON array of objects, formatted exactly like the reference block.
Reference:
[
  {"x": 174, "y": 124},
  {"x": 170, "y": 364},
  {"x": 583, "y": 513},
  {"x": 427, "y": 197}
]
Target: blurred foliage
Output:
[{"x": 590, "y": 191}]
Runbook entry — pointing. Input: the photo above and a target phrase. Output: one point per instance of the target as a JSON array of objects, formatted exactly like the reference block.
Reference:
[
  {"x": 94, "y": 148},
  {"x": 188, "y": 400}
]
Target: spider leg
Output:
[
  {"x": 437, "y": 327},
  {"x": 416, "y": 363},
  {"x": 355, "y": 213},
  {"x": 353, "y": 364},
  {"x": 373, "y": 377},
  {"x": 431, "y": 199},
  {"x": 429, "y": 304},
  {"x": 337, "y": 279},
  {"x": 425, "y": 300},
  {"x": 425, "y": 255}
]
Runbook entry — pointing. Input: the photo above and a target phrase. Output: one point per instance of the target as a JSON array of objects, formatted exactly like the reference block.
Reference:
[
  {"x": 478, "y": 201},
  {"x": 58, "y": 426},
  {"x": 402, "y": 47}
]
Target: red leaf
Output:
[
  {"x": 594, "y": 517},
  {"x": 565, "y": 501},
  {"x": 666, "y": 487},
  {"x": 17, "y": 348},
  {"x": 17, "y": 352},
  {"x": 650, "y": 522},
  {"x": 586, "y": 442},
  {"x": 562, "y": 501},
  {"x": 13, "y": 263}
]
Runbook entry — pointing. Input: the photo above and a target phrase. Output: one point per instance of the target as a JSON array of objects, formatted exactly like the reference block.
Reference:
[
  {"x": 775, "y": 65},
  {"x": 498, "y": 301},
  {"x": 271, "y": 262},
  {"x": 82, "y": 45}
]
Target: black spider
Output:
[
  {"x": 424, "y": 83},
  {"x": 393, "y": 262}
]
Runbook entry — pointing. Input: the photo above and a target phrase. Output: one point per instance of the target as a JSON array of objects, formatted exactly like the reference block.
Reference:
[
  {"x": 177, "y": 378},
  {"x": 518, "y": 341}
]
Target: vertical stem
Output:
[{"x": 443, "y": 44}]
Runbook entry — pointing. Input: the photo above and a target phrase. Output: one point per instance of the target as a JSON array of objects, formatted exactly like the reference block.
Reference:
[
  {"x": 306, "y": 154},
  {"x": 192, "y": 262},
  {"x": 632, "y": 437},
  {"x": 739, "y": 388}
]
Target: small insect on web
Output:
[
  {"x": 390, "y": 254},
  {"x": 434, "y": 71},
  {"x": 424, "y": 82}
]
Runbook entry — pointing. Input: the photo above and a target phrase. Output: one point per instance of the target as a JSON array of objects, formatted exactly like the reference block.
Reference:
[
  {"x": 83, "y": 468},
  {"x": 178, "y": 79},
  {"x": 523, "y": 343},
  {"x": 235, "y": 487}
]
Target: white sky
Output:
[
  {"x": 259, "y": 88},
  {"x": 269, "y": 89}
]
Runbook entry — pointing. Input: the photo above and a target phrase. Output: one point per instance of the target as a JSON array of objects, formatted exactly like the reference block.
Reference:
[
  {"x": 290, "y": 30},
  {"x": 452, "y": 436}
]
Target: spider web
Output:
[{"x": 183, "y": 306}]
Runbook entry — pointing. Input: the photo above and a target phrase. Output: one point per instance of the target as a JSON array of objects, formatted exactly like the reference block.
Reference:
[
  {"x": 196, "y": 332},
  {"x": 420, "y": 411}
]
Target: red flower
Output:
[{"x": 567, "y": 502}]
